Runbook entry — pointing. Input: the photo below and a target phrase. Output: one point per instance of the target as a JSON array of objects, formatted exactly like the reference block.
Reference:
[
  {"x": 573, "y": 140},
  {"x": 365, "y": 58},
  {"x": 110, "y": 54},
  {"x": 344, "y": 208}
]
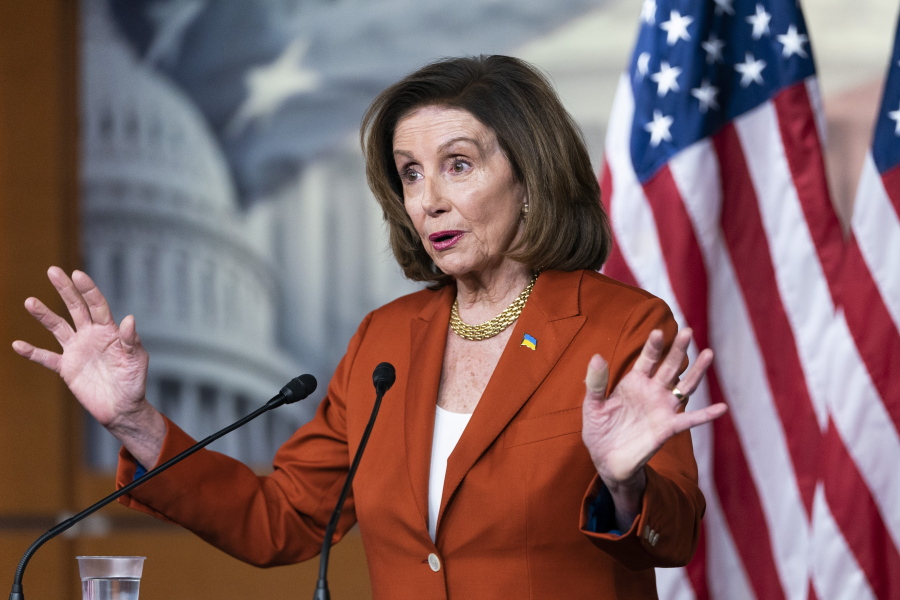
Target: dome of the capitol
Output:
[
  {"x": 164, "y": 239},
  {"x": 145, "y": 129}
]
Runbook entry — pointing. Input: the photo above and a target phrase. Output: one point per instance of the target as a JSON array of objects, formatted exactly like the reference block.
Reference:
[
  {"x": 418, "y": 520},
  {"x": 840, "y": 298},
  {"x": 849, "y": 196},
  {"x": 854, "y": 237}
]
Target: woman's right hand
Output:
[{"x": 102, "y": 363}]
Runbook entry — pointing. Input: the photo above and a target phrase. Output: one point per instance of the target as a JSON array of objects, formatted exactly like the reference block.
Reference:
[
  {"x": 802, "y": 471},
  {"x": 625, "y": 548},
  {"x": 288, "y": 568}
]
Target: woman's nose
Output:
[{"x": 434, "y": 196}]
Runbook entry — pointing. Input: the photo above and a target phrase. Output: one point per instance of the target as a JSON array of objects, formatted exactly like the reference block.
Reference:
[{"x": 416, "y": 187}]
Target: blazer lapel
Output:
[
  {"x": 428, "y": 336},
  {"x": 552, "y": 317}
]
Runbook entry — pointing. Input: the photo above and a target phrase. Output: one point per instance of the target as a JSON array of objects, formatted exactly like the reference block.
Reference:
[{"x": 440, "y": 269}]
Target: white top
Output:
[{"x": 448, "y": 428}]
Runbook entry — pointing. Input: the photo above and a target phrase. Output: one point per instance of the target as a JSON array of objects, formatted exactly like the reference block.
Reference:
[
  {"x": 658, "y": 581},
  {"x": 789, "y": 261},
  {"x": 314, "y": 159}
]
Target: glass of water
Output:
[{"x": 110, "y": 577}]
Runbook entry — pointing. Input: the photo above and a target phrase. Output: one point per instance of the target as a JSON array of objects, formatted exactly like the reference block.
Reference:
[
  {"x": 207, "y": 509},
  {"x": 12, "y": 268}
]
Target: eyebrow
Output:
[
  {"x": 443, "y": 147},
  {"x": 462, "y": 138}
]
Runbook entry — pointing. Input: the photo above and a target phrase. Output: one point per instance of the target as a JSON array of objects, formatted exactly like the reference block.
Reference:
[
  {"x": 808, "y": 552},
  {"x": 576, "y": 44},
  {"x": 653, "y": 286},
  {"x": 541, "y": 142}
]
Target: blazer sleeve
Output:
[
  {"x": 666, "y": 532},
  {"x": 263, "y": 520}
]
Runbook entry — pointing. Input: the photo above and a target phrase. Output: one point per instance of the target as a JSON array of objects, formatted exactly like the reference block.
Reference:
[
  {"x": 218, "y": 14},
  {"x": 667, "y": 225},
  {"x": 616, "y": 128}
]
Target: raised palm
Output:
[
  {"x": 102, "y": 363},
  {"x": 624, "y": 430}
]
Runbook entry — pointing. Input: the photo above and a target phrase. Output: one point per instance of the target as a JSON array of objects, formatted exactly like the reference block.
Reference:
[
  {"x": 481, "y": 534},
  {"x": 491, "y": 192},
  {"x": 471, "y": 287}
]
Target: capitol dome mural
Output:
[{"x": 165, "y": 240}]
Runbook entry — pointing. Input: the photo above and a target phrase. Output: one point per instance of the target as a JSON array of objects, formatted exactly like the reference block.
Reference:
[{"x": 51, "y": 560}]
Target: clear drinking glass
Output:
[{"x": 110, "y": 577}]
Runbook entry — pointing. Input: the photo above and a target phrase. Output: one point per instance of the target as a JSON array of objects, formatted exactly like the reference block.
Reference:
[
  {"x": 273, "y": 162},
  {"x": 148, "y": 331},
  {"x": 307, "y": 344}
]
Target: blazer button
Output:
[{"x": 434, "y": 562}]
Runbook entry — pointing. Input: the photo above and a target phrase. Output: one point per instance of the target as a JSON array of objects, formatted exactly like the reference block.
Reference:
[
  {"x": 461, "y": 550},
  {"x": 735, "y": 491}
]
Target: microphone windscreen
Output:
[
  {"x": 384, "y": 376},
  {"x": 299, "y": 388}
]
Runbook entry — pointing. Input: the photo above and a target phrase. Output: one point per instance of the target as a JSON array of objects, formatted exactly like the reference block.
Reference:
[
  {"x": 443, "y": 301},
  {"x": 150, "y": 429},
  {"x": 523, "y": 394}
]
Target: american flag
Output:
[{"x": 715, "y": 184}]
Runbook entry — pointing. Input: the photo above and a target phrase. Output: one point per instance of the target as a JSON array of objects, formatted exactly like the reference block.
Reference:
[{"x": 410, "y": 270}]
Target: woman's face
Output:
[{"x": 458, "y": 189}]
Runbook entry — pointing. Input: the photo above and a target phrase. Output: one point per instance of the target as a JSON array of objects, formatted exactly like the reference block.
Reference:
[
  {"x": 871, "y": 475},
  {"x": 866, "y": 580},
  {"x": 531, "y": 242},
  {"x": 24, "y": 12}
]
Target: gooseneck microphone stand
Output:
[
  {"x": 383, "y": 378},
  {"x": 296, "y": 389}
]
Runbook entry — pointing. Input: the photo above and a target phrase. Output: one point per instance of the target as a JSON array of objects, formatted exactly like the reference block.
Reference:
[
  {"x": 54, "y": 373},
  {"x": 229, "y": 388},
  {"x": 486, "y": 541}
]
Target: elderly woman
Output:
[{"x": 492, "y": 472}]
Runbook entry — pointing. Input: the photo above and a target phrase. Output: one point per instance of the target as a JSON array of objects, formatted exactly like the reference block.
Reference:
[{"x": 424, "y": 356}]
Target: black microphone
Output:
[
  {"x": 296, "y": 389},
  {"x": 383, "y": 378}
]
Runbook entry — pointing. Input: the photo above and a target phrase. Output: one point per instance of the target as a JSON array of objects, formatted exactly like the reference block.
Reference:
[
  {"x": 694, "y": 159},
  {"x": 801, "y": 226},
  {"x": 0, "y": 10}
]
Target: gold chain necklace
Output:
[{"x": 476, "y": 333}]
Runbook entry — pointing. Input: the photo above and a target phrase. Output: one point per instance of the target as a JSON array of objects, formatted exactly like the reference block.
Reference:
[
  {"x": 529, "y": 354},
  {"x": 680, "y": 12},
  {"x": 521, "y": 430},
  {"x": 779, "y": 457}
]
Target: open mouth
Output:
[
  {"x": 443, "y": 236},
  {"x": 442, "y": 240}
]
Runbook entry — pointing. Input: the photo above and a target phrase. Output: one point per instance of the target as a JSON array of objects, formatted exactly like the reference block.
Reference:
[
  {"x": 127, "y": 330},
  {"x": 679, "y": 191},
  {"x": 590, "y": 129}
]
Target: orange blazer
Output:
[{"x": 511, "y": 523}]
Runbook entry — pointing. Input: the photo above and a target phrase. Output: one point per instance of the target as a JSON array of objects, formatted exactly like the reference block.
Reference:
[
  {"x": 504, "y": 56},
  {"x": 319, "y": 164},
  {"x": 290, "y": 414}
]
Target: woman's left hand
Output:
[{"x": 624, "y": 430}]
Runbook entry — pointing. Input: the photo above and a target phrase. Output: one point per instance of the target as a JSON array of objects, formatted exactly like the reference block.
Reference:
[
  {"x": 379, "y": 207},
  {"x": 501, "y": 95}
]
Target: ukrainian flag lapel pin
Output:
[{"x": 529, "y": 341}]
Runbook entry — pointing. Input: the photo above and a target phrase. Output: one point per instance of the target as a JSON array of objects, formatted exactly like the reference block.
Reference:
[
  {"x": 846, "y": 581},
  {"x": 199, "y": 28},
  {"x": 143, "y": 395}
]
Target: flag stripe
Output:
[
  {"x": 859, "y": 517},
  {"x": 723, "y": 557},
  {"x": 697, "y": 569},
  {"x": 876, "y": 228},
  {"x": 800, "y": 137},
  {"x": 681, "y": 252},
  {"x": 615, "y": 265},
  {"x": 747, "y": 244},
  {"x": 891, "y": 179},
  {"x": 741, "y": 506},
  {"x": 873, "y": 330},
  {"x": 862, "y": 420},
  {"x": 835, "y": 571}
]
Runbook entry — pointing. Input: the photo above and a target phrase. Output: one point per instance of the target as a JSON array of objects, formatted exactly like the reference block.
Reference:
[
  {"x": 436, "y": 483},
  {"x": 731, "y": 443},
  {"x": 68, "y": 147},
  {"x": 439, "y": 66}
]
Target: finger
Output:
[
  {"x": 694, "y": 375},
  {"x": 671, "y": 364},
  {"x": 55, "y": 324},
  {"x": 650, "y": 353},
  {"x": 45, "y": 358},
  {"x": 687, "y": 420},
  {"x": 128, "y": 334},
  {"x": 81, "y": 316},
  {"x": 96, "y": 302},
  {"x": 597, "y": 377}
]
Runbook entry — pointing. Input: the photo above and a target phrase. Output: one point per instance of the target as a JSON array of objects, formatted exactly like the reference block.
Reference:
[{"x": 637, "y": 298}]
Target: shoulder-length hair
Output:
[{"x": 566, "y": 227}]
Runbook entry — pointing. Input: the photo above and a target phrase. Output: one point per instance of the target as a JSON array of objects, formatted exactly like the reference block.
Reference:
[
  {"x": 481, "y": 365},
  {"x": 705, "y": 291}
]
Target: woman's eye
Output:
[
  {"x": 409, "y": 175},
  {"x": 459, "y": 166}
]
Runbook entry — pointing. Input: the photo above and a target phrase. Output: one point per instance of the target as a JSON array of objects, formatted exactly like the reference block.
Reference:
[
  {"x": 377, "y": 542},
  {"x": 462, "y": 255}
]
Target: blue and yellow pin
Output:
[{"x": 529, "y": 341}]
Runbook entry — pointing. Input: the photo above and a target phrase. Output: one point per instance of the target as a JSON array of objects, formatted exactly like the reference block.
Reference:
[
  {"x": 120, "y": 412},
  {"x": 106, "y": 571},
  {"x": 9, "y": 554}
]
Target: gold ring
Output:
[{"x": 682, "y": 397}]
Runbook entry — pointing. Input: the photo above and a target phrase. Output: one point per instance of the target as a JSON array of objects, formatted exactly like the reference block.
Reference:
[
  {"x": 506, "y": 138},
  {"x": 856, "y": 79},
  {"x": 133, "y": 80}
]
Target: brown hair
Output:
[{"x": 566, "y": 227}]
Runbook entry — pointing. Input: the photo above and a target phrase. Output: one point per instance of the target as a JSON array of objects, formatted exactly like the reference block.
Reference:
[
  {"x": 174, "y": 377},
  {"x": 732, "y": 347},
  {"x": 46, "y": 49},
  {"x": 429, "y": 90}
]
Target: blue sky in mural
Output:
[{"x": 283, "y": 82}]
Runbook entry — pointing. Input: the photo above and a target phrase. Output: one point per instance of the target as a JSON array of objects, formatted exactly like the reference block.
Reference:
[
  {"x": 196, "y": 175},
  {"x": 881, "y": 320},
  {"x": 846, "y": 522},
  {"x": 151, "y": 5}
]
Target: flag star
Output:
[
  {"x": 706, "y": 94},
  {"x": 724, "y": 7},
  {"x": 643, "y": 65},
  {"x": 270, "y": 85},
  {"x": 894, "y": 115},
  {"x": 659, "y": 128},
  {"x": 648, "y": 12},
  {"x": 171, "y": 19},
  {"x": 666, "y": 79},
  {"x": 676, "y": 27},
  {"x": 760, "y": 22},
  {"x": 793, "y": 43},
  {"x": 750, "y": 70},
  {"x": 713, "y": 48}
]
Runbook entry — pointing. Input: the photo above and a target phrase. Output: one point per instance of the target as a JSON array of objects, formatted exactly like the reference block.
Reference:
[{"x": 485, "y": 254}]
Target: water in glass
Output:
[{"x": 110, "y": 588}]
